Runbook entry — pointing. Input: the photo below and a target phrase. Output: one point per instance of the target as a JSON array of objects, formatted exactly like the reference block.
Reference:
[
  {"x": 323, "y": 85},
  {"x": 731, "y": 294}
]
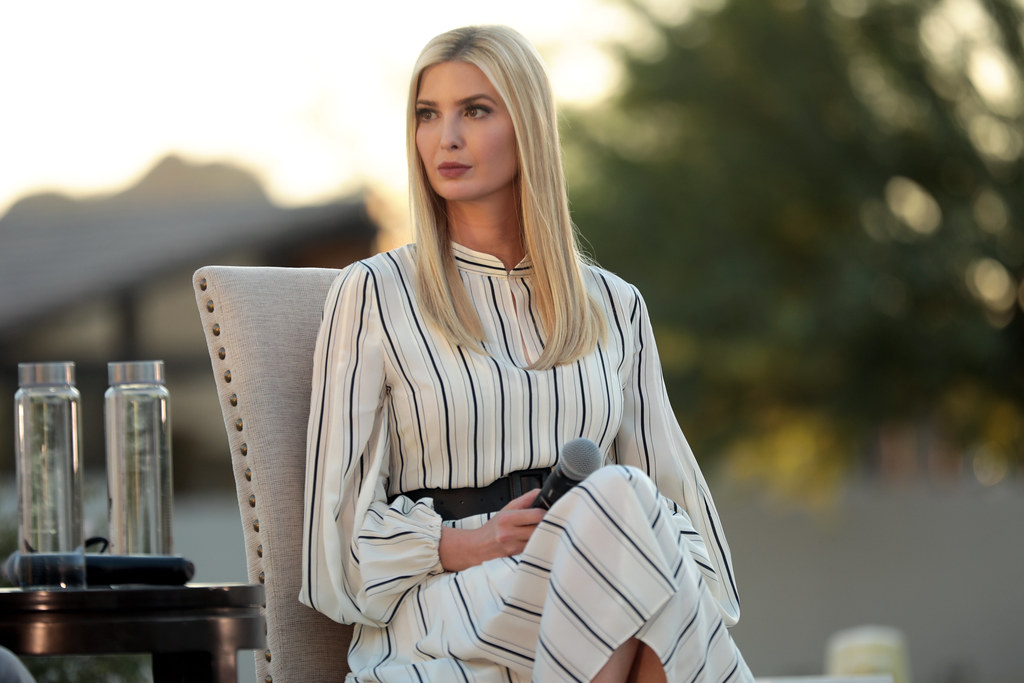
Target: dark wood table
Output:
[{"x": 193, "y": 632}]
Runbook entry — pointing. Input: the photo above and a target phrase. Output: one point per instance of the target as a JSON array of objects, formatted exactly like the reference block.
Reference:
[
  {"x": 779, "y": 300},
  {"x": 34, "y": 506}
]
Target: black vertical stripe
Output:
[
  {"x": 393, "y": 420},
  {"x": 641, "y": 385},
  {"x": 317, "y": 452},
  {"x": 533, "y": 318},
  {"x": 531, "y": 433},
  {"x": 614, "y": 308},
  {"x": 583, "y": 399},
  {"x": 397, "y": 356},
  {"x": 355, "y": 364},
  {"x": 501, "y": 323},
  {"x": 721, "y": 551},
  {"x": 476, "y": 414},
  {"x": 607, "y": 395},
  {"x": 502, "y": 440},
  {"x": 437, "y": 372},
  {"x": 555, "y": 394}
]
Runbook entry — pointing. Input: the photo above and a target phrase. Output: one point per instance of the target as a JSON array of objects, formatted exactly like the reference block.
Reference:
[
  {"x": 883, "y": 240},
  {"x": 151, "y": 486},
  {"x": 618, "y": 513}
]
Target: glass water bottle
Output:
[
  {"x": 49, "y": 477},
  {"x": 138, "y": 437}
]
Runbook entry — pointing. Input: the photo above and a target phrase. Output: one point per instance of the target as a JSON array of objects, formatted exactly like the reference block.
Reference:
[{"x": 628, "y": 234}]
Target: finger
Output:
[
  {"x": 523, "y": 502},
  {"x": 529, "y": 517}
]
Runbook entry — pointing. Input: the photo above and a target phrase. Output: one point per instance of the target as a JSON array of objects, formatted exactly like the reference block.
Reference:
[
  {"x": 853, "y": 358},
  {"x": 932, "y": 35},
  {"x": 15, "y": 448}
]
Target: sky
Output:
[{"x": 309, "y": 95}]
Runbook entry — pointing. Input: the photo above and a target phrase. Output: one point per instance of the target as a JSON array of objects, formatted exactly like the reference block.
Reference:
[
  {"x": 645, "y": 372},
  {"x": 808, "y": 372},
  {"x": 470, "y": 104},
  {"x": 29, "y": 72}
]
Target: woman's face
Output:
[{"x": 464, "y": 135}]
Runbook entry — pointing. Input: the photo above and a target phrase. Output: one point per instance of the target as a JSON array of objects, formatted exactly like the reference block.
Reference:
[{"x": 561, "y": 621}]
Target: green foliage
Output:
[
  {"x": 824, "y": 212},
  {"x": 106, "y": 669}
]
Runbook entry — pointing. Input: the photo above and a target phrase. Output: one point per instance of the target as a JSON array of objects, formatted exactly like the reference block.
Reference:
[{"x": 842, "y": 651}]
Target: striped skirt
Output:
[{"x": 605, "y": 565}]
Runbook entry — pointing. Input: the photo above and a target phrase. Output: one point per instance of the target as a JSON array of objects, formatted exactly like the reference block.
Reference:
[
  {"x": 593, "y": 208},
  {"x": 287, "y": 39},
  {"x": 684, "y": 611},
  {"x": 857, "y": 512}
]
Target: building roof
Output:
[{"x": 56, "y": 251}]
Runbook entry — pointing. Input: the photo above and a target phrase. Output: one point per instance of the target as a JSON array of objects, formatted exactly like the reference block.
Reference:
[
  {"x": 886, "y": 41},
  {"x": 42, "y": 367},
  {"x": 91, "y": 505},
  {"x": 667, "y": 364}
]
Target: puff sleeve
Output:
[{"x": 361, "y": 556}]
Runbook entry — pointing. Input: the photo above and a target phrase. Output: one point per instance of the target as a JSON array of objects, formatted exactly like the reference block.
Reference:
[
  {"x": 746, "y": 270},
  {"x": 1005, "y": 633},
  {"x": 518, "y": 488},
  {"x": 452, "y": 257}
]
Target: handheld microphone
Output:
[
  {"x": 103, "y": 570},
  {"x": 576, "y": 461}
]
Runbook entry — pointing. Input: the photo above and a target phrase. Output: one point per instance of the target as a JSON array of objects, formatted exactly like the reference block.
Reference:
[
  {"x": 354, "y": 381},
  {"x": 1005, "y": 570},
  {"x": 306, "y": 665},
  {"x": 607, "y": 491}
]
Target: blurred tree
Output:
[{"x": 821, "y": 202}]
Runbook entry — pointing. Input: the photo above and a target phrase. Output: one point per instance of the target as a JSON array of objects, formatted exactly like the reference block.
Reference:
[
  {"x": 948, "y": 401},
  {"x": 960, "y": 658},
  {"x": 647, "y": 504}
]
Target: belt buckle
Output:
[{"x": 523, "y": 481}]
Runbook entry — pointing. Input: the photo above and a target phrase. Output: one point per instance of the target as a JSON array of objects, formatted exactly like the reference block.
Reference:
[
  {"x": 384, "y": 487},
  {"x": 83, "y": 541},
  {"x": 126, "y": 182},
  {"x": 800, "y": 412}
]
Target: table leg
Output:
[{"x": 195, "y": 667}]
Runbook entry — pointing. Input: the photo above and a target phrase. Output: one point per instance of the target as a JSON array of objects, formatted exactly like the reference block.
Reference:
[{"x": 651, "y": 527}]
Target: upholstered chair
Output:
[{"x": 261, "y": 325}]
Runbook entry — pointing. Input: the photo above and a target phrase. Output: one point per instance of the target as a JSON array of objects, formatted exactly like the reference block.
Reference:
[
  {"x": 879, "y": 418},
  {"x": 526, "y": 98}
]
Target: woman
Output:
[{"x": 447, "y": 369}]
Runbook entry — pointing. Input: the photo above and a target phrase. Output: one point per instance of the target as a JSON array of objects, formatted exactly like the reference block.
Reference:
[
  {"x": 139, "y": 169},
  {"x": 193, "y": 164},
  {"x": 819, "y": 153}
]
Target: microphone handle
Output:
[{"x": 555, "y": 486}]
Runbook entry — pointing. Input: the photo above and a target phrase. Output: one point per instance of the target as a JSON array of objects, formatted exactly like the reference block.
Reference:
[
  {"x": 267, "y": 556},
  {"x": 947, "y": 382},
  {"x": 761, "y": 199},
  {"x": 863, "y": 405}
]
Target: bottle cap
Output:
[
  {"x": 136, "y": 372},
  {"x": 46, "y": 374}
]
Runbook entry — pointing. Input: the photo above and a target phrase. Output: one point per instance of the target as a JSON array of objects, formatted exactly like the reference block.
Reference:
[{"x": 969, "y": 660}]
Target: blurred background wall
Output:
[
  {"x": 821, "y": 201},
  {"x": 109, "y": 278}
]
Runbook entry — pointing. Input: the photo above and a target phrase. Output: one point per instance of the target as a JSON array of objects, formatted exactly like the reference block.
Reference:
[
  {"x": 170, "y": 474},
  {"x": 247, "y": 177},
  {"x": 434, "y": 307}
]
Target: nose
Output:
[{"x": 451, "y": 133}]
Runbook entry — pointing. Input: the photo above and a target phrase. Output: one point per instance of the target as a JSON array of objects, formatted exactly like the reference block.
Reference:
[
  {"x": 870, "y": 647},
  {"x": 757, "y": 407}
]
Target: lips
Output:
[{"x": 452, "y": 169}]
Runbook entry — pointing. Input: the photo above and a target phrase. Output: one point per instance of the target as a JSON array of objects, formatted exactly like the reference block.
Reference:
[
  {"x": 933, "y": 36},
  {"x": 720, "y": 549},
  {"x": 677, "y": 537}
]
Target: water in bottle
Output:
[
  {"x": 139, "y": 473},
  {"x": 48, "y": 452}
]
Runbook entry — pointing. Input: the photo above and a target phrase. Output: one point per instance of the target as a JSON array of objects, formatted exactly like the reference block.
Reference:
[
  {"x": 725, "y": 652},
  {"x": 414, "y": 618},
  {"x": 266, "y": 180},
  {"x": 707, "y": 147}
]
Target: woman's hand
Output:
[{"x": 504, "y": 534}]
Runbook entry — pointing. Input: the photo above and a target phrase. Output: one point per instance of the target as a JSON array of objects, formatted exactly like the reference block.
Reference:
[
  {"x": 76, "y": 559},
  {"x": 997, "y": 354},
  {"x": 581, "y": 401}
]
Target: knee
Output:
[{"x": 619, "y": 481}]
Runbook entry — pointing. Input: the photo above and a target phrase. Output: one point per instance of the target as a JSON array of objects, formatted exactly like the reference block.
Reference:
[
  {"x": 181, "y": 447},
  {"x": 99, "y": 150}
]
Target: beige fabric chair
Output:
[{"x": 261, "y": 326}]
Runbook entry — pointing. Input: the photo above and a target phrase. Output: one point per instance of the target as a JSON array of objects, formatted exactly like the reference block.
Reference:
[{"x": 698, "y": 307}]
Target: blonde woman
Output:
[{"x": 448, "y": 375}]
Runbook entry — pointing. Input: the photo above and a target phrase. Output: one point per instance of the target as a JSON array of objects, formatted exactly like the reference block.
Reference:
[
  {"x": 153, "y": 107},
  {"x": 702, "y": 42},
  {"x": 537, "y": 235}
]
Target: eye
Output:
[
  {"x": 476, "y": 111},
  {"x": 424, "y": 114}
]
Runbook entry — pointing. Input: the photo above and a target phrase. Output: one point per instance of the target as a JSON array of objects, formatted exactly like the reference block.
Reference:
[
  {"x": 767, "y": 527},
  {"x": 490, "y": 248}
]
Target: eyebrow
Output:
[{"x": 464, "y": 101}]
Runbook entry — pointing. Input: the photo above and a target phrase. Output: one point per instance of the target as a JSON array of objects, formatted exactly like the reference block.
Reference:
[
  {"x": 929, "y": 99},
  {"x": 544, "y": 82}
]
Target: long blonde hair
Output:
[{"x": 572, "y": 320}]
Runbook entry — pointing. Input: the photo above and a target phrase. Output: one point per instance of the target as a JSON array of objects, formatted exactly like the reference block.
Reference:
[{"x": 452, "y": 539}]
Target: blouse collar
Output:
[{"x": 485, "y": 264}]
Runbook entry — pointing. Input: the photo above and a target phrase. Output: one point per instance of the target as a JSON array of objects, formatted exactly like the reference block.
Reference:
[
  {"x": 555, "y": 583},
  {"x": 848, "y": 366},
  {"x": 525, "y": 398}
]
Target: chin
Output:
[{"x": 451, "y": 193}]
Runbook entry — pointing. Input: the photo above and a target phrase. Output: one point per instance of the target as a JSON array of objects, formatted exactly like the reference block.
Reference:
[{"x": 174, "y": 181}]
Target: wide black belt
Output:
[{"x": 470, "y": 500}]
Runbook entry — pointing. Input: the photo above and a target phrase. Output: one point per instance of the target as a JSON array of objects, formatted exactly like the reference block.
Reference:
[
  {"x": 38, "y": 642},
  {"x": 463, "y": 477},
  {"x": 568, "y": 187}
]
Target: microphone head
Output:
[{"x": 580, "y": 458}]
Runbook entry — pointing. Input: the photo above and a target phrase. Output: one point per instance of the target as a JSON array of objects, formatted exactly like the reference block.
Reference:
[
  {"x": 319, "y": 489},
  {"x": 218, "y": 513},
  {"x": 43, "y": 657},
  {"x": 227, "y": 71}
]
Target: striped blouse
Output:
[{"x": 396, "y": 407}]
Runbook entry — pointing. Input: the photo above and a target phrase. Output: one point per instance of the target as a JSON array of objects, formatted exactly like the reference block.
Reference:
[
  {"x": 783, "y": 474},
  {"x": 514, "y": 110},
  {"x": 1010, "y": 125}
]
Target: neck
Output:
[{"x": 488, "y": 228}]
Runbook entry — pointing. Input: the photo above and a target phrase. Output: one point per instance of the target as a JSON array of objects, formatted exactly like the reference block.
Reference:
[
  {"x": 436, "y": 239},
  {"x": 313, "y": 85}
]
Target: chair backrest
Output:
[{"x": 261, "y": 326}]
